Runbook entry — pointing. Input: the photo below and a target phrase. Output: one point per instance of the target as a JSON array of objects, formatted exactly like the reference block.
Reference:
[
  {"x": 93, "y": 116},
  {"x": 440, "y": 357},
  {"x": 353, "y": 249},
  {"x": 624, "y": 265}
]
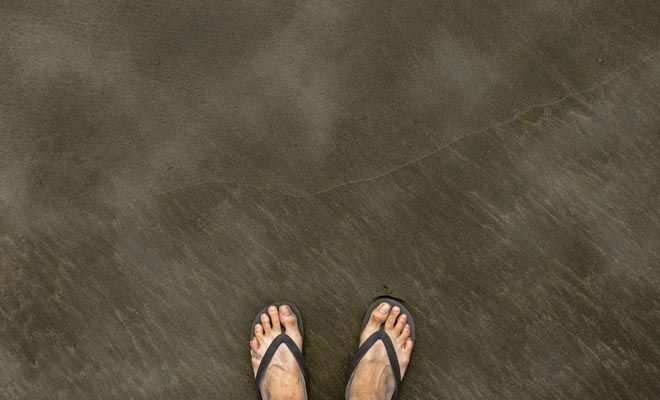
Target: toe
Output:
[
  {"x": 259, "y": 333},
  {"x": 265, "y": 322},
  {"x": 378, "y": 316},
  {"x": 405, "y": 334},
  {"x": 275, "y": 319},
  {"x": 400, "y": 324},
  {"x": 391, "y": 319},
  {"x": 254, "y": 344},
  {"x": 290, "y": 323},
  {"x": 408, "y": 346},
  {"x": 288, "y": 319},
  {"x": 255, "y": 355},
  {"x": 404, "y": 356}
]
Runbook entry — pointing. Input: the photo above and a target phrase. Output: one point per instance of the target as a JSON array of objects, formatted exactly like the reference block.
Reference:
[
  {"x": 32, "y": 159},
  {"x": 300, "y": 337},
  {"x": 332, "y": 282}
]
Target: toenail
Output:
[
  {"x": 285, "y": 310},
  {"x": 264, "y": 316},
  {"x": 272, "y": 309},
  {"x": 385, "y": 308},
  {"x": 396, "y": 309}
]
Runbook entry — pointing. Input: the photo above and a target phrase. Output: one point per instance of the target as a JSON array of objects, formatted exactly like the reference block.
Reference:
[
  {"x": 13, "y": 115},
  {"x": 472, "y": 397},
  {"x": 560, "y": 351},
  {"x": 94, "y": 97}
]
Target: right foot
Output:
[
  {"x": 283, "y": 379},
  {"x": 373, "y": 378}
]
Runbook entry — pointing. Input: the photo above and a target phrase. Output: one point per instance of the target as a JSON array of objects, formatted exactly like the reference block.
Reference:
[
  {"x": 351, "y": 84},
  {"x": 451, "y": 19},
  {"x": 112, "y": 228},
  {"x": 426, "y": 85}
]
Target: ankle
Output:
[
  {"x": 283, "y": 384},
  {"x": 283, "y": 393},
  {"x": 365, "y": 395},
  {"x": 288, "y": 396},
  {"x": 370, "y": 385},
  {"x": 370, "y": 396}
]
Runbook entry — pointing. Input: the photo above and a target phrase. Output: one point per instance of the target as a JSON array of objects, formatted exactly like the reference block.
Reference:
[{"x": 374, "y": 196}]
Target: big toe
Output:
[
  {"x": 376, "y": 319},
  {"x": 290, "y": 323}
]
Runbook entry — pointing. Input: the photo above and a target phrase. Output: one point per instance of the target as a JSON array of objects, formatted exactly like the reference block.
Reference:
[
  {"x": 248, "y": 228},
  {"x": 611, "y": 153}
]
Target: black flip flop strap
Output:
[
  {"x": 270, "y": 352},
  {"x": 391, "y": 354}
]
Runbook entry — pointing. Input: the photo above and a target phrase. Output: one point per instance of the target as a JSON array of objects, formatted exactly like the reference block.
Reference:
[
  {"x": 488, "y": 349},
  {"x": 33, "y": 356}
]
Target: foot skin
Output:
[
  {"x": 283, "y": 379},
  {"x": 373, "y": 378}
]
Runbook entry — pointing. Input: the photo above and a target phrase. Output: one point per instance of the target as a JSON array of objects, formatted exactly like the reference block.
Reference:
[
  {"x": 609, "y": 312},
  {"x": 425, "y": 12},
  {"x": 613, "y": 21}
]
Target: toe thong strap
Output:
[
  {"x": 281, "y": 339},
  {"x": 391, "y": 354}
]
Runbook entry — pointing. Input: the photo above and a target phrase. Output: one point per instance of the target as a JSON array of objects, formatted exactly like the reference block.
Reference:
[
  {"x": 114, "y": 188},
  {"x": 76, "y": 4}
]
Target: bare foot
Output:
[
  {"x": 283, "y": 379},
  {"x": 373, "y": 378}
]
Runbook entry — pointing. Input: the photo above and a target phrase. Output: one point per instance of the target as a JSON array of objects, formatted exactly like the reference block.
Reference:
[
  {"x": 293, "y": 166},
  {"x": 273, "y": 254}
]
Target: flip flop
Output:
[
  {"x": 281, "y": 339},
  {"x": 385, "y": 338}
]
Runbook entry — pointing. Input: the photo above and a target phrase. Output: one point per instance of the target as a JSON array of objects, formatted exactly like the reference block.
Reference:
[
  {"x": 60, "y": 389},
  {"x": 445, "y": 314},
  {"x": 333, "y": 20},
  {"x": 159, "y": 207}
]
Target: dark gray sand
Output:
[{"x": 168, "y": 168}]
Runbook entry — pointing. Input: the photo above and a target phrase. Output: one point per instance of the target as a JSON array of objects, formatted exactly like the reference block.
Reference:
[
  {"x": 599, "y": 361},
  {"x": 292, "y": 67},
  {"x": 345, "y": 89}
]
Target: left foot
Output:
[{"x": 283, "y": 379}]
